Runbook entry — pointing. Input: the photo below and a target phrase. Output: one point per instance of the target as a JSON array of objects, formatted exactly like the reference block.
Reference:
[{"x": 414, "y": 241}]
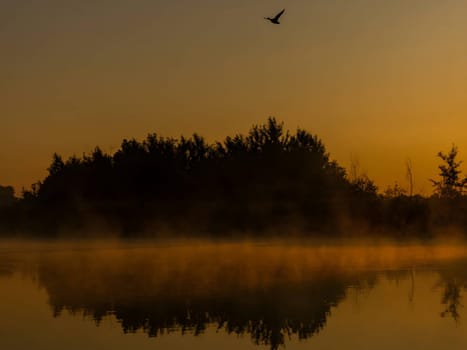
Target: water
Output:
[{"x": 199, "y": 295}]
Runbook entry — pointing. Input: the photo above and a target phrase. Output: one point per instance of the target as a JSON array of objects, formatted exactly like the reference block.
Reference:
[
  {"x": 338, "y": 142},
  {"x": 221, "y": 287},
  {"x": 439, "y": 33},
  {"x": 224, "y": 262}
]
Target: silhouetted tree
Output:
[
  {"x": 7, "y": 196},
  {"x": 269, "y": 178},
  {"x": 394, "y": 191},
  {"x": 451, "y": 184},
  {"x": 409, "y": 175}
]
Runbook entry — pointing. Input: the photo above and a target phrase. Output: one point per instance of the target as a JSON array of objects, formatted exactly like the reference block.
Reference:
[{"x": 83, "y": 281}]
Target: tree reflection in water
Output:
[
  {"x": 453, "y": 280},
  {"x": 269, "y": 304},
  {"x": 266, "y": 296}
]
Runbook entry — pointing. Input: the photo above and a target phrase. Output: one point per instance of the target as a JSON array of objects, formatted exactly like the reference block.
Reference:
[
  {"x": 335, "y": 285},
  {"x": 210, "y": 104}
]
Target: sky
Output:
[{"x": 379, "y": 81}]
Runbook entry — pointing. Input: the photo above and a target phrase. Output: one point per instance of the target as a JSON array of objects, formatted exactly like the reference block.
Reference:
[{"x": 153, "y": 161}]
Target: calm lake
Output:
[{"x": 232, "y": 295}]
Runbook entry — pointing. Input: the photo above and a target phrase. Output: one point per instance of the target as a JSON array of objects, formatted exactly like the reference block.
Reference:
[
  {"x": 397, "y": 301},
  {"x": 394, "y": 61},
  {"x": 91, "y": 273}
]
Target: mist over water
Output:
[{"x": 270, "y": 293}]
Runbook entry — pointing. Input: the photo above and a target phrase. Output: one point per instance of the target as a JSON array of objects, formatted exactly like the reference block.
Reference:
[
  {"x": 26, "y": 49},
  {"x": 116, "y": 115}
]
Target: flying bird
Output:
[{"x": 275, "y": 19}]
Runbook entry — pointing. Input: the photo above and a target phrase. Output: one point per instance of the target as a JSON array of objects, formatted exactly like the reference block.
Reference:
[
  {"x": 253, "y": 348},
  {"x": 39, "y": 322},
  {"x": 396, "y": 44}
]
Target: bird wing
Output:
[{"x": 279, "y": 14}]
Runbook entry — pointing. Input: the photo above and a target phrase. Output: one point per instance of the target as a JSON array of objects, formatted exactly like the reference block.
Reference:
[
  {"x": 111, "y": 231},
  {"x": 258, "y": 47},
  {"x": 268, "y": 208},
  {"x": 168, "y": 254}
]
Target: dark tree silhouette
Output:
[
  {"x": 267, "y": 180},
  {"x": 451, "y": 184},
  {"x": 7, "y": 196}
]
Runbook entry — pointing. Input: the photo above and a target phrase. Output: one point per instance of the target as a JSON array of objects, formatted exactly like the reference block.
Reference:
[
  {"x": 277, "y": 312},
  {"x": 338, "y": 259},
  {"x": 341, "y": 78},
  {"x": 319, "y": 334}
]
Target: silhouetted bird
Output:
[{"x": 275, "y": 19}]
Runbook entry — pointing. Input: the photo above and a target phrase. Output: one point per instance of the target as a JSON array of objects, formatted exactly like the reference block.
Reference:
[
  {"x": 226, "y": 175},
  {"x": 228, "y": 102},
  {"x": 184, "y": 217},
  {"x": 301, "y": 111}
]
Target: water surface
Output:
[{"x": 232, "y": 295}]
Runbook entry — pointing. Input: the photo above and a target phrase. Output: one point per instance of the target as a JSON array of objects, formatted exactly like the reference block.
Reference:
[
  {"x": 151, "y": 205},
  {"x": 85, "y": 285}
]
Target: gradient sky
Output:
[{"x": 379, "y": 80}]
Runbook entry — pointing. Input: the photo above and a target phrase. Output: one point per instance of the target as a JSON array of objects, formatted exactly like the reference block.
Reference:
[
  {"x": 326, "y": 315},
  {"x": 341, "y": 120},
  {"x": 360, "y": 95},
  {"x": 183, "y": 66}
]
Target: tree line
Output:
[{"x": 267, "y": 181}]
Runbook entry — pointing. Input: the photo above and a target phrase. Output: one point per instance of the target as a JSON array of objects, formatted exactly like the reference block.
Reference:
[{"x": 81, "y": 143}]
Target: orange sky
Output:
[{"x": 382, "y": 80}]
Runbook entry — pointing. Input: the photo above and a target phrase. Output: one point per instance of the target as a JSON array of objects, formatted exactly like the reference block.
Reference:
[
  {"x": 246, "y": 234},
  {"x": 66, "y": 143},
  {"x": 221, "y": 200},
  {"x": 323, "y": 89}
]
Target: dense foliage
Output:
[{"x": 266, "y": 181}]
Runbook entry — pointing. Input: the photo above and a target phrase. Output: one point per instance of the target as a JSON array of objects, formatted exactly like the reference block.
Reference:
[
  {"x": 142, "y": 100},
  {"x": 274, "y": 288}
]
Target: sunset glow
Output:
[{"x": 382, "y": 81}]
